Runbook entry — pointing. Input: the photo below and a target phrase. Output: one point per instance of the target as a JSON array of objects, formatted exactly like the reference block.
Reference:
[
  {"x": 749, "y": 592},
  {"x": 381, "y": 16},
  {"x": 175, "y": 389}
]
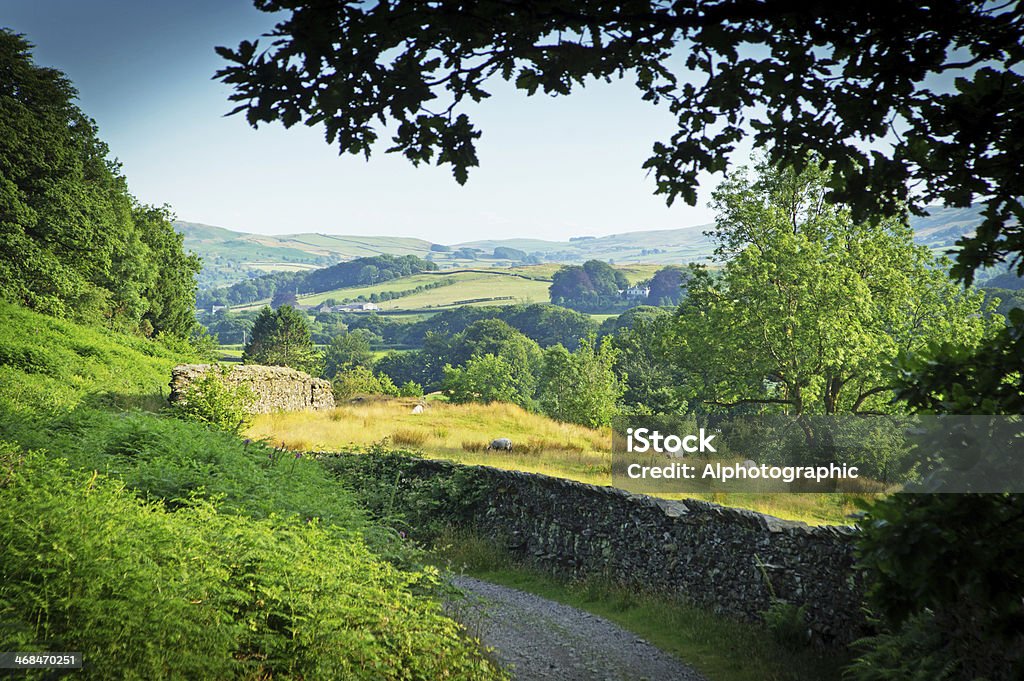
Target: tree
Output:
[
  {"x": 281, "y": 338},
  {"x": 812, "y": 309},
  {"x": 643, "y": 340},
  {"x": 667, "y": 286},
  {"x": 593, "y": 285},
  {"x": 519, "y": 358},
  {"x": 284, "y": 297},
  {"x": 76, "y": 242},
  {"x": 347, "y": 351},
  {"x": 360, "y": 380},
  {"x": 580, "y": 387},
  {"x": 171, "y": 294},
  {"x": 506, "y": 253},
  {"x": 484, "y": 378}
]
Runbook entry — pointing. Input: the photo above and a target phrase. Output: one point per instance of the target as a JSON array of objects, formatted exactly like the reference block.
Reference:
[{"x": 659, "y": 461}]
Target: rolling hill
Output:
[
  {"x": 526, "y": 284},
  {"x": 230, "y": 256}
]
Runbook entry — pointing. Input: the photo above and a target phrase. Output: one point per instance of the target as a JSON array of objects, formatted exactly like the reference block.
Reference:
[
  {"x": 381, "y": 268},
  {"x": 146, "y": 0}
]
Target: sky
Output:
[{"x": 550, "y": 168}]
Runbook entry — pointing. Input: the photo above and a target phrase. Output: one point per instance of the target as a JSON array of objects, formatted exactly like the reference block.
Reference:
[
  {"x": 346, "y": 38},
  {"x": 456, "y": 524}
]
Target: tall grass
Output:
[{"x": 540, "y": 445}]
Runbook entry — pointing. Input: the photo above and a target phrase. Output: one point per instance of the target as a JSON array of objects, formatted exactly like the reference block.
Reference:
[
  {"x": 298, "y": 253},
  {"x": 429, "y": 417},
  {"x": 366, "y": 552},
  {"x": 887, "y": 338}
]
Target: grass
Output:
[
  {"x": 467, "y": 286},
  {"x": 542, "y": 445},
  {"x": 470, "y": 285},
  {"x": 163, "y": 549},
  {"x": 721, "y": 648}
]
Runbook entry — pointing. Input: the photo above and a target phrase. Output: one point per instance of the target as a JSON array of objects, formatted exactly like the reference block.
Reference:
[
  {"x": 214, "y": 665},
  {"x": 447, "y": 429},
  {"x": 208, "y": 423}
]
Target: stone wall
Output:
[
  {"x": 729, "y": 560},
  {"x": 275, "y": 388}
]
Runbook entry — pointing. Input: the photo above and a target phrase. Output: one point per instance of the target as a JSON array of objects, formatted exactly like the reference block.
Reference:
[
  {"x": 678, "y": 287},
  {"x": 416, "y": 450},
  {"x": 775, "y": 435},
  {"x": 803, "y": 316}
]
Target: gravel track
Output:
[{"x": 540, "y": 640}]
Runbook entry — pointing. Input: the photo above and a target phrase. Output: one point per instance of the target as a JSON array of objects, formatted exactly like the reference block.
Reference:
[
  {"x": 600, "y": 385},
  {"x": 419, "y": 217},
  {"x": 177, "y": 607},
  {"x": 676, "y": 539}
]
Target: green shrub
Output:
[
  {"x": 917, "y": 651},
  {"x": 146, "y": 593},
  {"x": 211, "y": 400},
  {"x": 360, "y": 380},
  {"x": 410, "y": 389},
  {"x": 787, "y": 624}
]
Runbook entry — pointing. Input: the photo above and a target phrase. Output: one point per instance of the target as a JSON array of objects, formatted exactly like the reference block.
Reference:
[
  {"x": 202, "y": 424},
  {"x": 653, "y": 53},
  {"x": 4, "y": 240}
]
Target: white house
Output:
[
  {"x": 358, "y": 307},
  {"x": 637, "y": 292}
]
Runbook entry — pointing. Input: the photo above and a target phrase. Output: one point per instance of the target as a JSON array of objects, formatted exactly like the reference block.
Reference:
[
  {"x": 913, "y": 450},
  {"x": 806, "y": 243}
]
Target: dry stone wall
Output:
[
  {"x": 274, "y": 388},
  {"x": 729, "y": 560}
]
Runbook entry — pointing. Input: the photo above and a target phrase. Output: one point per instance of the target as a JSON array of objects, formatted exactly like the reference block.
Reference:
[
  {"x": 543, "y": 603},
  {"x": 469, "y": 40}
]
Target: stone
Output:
[{"x": 275, "y": 388}]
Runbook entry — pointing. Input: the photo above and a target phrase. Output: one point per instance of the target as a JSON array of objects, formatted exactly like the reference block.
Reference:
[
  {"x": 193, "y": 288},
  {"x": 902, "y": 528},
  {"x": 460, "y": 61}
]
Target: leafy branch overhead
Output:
[{"x": 838, "y": 79}]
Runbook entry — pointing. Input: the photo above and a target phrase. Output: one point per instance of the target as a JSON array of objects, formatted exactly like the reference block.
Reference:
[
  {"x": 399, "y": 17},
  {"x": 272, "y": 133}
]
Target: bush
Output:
[
  {"x": 148, "y": 593},
  {"x": 787, "y": 624},
  {"x": 210, "y": 400},
  {"x": 410, "y": 389},
  {"x": 360, "y": 380}
]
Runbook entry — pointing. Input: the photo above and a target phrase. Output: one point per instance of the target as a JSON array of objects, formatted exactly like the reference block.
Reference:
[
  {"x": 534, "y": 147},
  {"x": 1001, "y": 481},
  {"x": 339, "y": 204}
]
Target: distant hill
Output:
[{"x": 230, "y": 256}]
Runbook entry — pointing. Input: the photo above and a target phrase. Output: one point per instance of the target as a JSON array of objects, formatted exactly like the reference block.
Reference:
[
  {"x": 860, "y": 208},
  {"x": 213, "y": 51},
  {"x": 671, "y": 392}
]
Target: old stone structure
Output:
[
  {"x": 730, "y": 560},
  {"x": 274, "y": 388}
]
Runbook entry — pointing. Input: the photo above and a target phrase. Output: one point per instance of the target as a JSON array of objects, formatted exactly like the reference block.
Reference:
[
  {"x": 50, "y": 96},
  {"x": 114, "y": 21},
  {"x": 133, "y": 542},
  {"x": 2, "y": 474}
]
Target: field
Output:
[
  {"x": 460, "y": 433},
  {"x": 527, "y": 284}
]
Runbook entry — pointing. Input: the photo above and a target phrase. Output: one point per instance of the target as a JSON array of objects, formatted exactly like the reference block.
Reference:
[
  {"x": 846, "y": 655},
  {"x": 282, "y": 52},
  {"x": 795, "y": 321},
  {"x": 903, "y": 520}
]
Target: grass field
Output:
[
  {"x": 460, "y": 433},
  {"x": 469, "y": 285}
]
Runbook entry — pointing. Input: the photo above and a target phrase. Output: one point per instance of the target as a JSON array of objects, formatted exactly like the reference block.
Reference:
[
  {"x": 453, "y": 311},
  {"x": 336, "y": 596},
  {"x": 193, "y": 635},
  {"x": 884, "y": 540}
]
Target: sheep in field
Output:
[{"x": 502, "y": 443}]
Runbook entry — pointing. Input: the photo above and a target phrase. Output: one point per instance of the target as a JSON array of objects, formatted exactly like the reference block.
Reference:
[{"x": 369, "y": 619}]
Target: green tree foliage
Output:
[
  {"x": 506, "y": 253},
  {"x": 76, "y": 242},
  {"x": 949, "y": 566},
  {"x": 210, "y": 400},
  {"x": 484, "y": 378},
  {"x": 812, "y": 309},
  {"x": 642, "y": 338},
  {"x": 592, "y": 286},
  {"x": 667, "y": 286},
  {"x": 499, "y": 364},
  {"x": 281, "y": 338},
  {"x": 547, "y": 324},
  {"x": 360, "y": 380},
  {"x": 485, "y": 336},
  {"x": 283, "y": 297},
  {"x": 581, "y": 386},
  {"x": 358, "y": 272},
  {"x": 228, "y": 326},
  {"x": 345, "y": 351}
]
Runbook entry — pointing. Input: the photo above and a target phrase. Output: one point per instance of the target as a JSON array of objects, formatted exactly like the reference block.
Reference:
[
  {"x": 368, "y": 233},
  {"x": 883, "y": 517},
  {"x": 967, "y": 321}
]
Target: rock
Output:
[{"x": 275, "y": 388}]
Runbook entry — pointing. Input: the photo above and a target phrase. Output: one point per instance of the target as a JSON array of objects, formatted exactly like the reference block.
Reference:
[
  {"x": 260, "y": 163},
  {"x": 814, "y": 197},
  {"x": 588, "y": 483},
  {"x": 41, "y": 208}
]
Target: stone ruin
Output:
[{"x": 274, "y": 388}]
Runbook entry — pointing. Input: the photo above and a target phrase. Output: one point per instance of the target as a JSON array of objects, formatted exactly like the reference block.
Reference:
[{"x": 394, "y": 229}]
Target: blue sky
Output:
[{"x": 550, "y": 167}]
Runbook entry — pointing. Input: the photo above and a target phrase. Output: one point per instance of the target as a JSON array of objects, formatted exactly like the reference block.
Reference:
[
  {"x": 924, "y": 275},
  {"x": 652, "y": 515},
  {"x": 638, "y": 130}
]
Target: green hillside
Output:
[
  {"x": 526, "y": 284},
  {"x": 230, "y": 256},
  {"x": 162, "y": 547}
]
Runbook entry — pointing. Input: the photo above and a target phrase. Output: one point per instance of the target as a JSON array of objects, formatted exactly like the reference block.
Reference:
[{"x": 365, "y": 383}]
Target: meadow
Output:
[
  {"x": 542, "y": 445},
  {"x": 524, "y": 284}
]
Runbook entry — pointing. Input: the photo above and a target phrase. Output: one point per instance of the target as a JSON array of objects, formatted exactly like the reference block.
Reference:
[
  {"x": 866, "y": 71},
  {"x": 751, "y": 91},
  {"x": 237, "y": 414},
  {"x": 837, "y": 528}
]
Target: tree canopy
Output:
[
  {"x": 825, "y": 77},
  {"x": 812, "y": 309},
  {"x": 593, "y": 285},
  {"x": 76, "y": 242},
  {"x": 281, "y": 338}
]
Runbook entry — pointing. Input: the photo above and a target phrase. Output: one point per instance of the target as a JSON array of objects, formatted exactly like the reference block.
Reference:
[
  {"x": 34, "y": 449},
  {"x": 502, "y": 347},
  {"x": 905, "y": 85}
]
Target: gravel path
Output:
[{"x": 541, "y": 640}]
